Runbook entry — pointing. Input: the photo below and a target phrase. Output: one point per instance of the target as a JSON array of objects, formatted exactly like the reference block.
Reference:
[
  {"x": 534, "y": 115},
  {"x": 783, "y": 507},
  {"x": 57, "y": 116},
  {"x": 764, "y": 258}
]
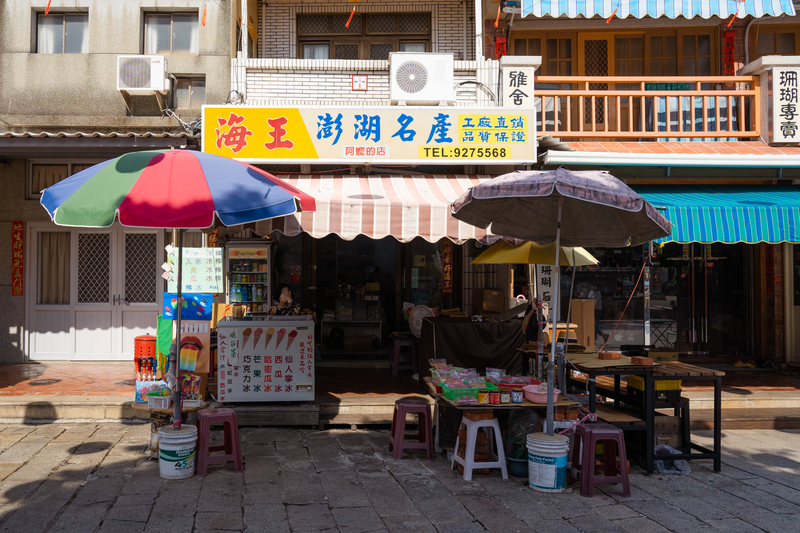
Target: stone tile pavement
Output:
[{"x": 96, "y": 478}]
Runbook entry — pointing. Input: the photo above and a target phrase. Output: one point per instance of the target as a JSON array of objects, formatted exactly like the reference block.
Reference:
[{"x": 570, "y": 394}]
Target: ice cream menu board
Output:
[
  {"x": 270, "y": 359},
  {"x": 202, "y": 270}
]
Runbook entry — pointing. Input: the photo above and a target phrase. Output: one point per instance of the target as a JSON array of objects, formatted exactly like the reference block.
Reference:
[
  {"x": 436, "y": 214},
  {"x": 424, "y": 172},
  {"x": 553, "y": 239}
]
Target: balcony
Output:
[{"x": 649, "y": 108}]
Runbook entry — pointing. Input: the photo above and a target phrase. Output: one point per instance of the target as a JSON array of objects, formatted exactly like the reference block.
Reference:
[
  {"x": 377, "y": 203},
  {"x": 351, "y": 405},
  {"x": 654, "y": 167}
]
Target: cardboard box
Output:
[
  {"x": 358, "y": 343},
  {"x": 582, "y": 315},
  {"x": 662, "y": 356},
  {"x": 488, "y": 301},
  {"x": 669, "y": 428}
]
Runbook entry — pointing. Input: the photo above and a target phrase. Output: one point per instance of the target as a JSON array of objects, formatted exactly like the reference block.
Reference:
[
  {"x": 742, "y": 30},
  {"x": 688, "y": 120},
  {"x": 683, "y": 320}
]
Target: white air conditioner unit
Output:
[
  {"x": 421, "y": 79},
  {"x": 142, "y": 75}
]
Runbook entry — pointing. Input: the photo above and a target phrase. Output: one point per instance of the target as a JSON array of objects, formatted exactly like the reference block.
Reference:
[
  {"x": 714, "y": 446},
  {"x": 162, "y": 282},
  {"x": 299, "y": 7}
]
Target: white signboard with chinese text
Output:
[
  {"x": 266, "y": 360},
  {"x": 785, "y": 105},
  {"x": 545, "y": 278},
  {"x": 397, "y": 134},
  {"x": 201, "y": 270},
  {"x": 518, "y": 87}
]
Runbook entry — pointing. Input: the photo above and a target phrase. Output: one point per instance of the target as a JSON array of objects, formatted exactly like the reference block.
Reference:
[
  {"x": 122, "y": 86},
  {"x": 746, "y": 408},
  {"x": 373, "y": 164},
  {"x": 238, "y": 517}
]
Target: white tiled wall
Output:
[
  {"x": 278, "y": 23},
  {"x": 329, "y": 82}
]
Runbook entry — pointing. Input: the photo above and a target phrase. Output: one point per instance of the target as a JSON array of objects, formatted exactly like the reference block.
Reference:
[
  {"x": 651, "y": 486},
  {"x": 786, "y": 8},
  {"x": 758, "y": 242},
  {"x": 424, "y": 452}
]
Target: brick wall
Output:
[{"x": 278, "y": 23}]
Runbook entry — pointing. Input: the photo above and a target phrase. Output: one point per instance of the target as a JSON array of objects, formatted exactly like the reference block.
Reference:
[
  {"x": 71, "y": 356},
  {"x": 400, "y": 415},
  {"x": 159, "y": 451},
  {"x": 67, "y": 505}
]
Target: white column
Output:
[{"x": 479, "y": 31}]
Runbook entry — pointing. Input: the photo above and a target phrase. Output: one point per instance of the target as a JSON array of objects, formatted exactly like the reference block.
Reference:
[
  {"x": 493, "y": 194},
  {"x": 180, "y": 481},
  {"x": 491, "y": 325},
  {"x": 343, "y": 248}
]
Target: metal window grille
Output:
[
  {"x": 596, "y": 53},
  {"x": 414, "y": 23},
  {"x": 346, "y": 51},
  {"x": 314, "y": 24},
  {"x": 140, "y": 267},
  {"x": 380, "y": 51},
  {"x": 380, "y": 23},
  {"x": 338, "y": 24},
  {"x": 475, "y": 277},
  {"x": 94, "y": 267}
]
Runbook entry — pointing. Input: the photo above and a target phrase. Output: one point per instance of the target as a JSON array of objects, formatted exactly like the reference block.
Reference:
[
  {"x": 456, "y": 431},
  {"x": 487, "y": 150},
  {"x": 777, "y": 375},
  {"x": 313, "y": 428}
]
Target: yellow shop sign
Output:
[{"x": 397, "y": 134}]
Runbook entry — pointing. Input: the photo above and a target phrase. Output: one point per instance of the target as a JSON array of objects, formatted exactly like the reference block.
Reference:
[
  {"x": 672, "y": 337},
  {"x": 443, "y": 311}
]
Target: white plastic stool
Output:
[{"x": 468, "y": 462}]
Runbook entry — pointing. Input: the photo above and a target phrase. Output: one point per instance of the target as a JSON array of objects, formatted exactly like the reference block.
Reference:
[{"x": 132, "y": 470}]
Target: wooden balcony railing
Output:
[{"x": 648, "y": 108}]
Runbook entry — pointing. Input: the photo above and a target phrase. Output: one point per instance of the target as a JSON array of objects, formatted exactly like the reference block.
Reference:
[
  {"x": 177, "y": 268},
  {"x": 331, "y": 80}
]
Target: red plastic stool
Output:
[
  {"x": 411, "y": 346},
  {"x": 397, "y": 441},
  {"x": 588, "y": 435},
  {"x": 232, "y": 449}
]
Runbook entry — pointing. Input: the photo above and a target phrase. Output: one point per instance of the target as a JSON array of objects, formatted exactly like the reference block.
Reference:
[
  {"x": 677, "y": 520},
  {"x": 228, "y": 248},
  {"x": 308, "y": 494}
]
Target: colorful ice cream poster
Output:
[
  {"x": 265, "y": 363},
  {"x": 195, "y": 350},
  {"x": 201, "y": 270},
  {"x": 194, "y": 306}
]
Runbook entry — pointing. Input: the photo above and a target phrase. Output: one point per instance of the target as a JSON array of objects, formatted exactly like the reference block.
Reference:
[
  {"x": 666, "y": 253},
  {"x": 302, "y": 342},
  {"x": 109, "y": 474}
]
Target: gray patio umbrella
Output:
[{"x": 584, "y": 208}]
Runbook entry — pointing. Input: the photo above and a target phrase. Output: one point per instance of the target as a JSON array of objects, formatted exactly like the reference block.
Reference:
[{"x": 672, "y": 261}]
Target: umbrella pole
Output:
[
  {"x": 553, "y": 330},
  {"x": 562, "y": 368},
  {"x": 176, "y": 394}
]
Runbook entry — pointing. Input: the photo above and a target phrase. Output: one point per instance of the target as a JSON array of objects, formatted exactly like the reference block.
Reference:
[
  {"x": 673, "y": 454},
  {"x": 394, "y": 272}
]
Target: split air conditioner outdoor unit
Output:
[
  {"x": 421, "y": 79},
  {"x": 142, "y": 75}
]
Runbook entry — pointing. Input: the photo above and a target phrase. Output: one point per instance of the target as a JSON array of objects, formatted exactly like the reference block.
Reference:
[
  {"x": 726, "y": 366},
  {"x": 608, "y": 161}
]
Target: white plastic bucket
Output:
[
  {"x": 177, "y": 451},
  {"x": 547, "y": 462}
]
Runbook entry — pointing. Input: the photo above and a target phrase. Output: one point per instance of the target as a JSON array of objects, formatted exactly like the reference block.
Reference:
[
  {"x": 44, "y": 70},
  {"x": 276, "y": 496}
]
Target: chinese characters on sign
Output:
[
  {"x": 730, "y": 55},
  {"x": 785, "y": 105},
  {"x": 544, "y": 281},
  {"x": 392, "y": 134},
  {"x": 518, "y": 87},
  {"x": 17, "y": 236},
  {"x": 266, "y": 361},
  {"x": 202, "y": 270},
  {"x": 447, "y": 267}
]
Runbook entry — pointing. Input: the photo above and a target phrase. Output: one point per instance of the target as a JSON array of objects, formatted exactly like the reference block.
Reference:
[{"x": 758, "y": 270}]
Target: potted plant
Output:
[{"x": 517, "y": 451}]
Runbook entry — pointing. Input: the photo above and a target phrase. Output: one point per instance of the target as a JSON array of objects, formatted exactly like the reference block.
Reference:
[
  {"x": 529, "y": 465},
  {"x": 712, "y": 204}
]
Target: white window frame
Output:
[
  {"x": 195, "y": 44},
  {"x": 63, "y": 16}
]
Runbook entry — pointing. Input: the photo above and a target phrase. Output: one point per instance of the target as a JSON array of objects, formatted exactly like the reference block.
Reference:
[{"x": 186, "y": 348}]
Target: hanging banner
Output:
[
  {"x": 544, "y": 282},
  {"x": 785, "y": 109},
  {"x": 729, "y": 63},
  {"x": 213, "y": 238},
  {"x": 17, "y": 255},
  {"x": 381, "y": 135},
  {"x": 447, "y": 267},
  {"x": 201, "y": 270}
]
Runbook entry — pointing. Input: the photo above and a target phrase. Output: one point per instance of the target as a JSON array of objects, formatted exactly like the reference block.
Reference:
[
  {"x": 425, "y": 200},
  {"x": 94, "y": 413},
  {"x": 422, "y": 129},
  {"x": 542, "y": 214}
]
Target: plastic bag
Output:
[{"x": 671, "y": 466}]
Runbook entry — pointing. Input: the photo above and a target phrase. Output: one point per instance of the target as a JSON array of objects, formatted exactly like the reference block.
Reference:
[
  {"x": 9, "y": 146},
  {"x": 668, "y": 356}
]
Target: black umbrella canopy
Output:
[{"x": 597, "y": 209}]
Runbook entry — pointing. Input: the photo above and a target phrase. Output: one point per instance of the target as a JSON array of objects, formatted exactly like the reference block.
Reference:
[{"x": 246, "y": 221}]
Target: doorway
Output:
[{"x": 91, "y": 291}]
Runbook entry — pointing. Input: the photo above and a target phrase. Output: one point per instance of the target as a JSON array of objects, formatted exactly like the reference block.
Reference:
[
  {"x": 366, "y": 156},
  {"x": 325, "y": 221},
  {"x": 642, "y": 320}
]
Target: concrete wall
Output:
[
  {"x": 278, "y": 23},
  {"x": 58, "y": 85}
]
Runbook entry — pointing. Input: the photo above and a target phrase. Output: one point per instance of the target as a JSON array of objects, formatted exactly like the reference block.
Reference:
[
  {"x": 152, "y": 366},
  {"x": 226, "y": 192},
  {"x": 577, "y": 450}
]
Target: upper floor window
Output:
[
  {"x": 62, "y": 34},
  {"x": 42, "y": 174},
  {"x": 369, "y": 36},
  {"x": 170, "y": 34},
  {"x": 189, "y": 93}
]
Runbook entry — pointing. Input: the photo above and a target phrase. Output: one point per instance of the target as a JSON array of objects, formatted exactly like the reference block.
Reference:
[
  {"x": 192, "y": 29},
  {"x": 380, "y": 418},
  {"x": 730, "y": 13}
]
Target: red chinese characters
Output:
[
  {"x": 17, "y": 236},
  {"x": 277, "y": 133},
  {"x": 232, "y": 133}
]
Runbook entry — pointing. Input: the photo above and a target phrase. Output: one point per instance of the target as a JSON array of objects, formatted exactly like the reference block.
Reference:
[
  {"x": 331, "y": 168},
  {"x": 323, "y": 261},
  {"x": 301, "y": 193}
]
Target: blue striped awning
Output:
[
  {"x": 656, "y": 8},
  {"x": 727, "y": 213}
]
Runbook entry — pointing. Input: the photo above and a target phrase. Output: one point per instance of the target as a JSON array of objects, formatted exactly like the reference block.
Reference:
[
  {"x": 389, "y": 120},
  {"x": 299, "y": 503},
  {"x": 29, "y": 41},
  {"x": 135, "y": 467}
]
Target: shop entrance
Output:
[
  {"x": 700, "y": 301},
  {"x": 91, "y": 291}
]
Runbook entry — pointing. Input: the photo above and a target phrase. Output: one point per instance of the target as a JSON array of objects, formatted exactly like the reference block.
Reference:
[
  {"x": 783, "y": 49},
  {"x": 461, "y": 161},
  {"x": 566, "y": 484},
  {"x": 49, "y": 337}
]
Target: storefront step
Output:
[
  {"x": 786, "y": 418},
  {"x": 276, "y": 414},
  {"x": 354, "y": 363},
  {"x": 354, "y": 410}
]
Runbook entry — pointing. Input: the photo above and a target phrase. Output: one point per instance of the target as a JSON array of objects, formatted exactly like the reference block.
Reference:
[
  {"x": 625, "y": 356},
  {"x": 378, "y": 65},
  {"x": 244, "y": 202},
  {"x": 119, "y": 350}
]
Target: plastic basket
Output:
[
  {"x": 637, "y": 382},
  {"x": 453, "y": 394},
  {"x": 158, "y": 402},
  {"x": 504, "y": 382},
  {"x": 192, "y": 403}
]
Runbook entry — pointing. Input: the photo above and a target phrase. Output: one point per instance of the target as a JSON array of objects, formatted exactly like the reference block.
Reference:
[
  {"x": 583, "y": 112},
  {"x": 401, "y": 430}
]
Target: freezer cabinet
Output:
[{"x": 266, "y": 359}]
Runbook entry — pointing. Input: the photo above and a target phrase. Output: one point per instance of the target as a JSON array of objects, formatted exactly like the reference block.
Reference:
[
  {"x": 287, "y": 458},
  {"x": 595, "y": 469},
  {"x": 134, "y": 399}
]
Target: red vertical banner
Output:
[
  {"x": 17, "y": 242},
  {"x": 213, "y": 238},
  {"x": 447, "y": 267},
  {"x": 729, "y": 55}
]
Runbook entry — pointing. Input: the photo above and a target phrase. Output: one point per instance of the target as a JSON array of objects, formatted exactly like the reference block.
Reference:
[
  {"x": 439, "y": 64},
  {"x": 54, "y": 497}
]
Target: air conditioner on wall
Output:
[
  {"x": 421, "y": 79},
  {"x": 142, "y": 75}
]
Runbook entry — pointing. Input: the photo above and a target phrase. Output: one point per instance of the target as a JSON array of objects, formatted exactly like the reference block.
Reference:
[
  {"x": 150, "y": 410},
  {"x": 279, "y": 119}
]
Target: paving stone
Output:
[
  {"x": 408, "y": 524},
  {"x": 313, "y": 517},
  {"x": 117, "y": 526},
  {"x": 667, "y": 515},
  {"x": 769, "y": 521},
  {"x": 400, "y": 467},
  {"x": 639, "y": 524},
  {"x": 125, "y": 500},
  {"x": 387, "y": 497},
  {"x": 23, "y": 450},
  {"x": 357, "y": 519},
  {"x": 266, "y": 518},
  {"x": 756, "y": 496},
  {"x": 48, "y": 430},
  {"x": 177, "y": 498},
  {"x": 343, "y": 489},
  {"x": 258, "y": 493},
  {"x": 553, "y": 526},
  {"x": 261, "y": 470},
  {"x": 221, "y": 492},
  {"x": 302, "y": 489},
  {"x": 435, "y": 502},
  {"x": 782, "y": 491},
  {"x": 80, "y": 518},
  {"x": 615, "y": 512},
  {"x": 75, "y": 434},
  {"x": 119, "y": 464},
  {"x": 734, "y": 525},
  {"x": 698, "y": 508},
  {"x": 593, "y": 522},
  {"x": 170, "y": 524},
  {"x": 7, "y": 469},
  {"x": 258, "y": 450},
  {"x": 459, "y": 527},
  {"x": 491, "y": 512},
  {"x": 92, "y": 451},
  {"x": 231, "y": 520}
]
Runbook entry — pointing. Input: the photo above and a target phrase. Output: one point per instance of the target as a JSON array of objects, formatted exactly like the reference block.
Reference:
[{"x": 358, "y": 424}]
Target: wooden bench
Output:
[{"x": 610, "y": 415}]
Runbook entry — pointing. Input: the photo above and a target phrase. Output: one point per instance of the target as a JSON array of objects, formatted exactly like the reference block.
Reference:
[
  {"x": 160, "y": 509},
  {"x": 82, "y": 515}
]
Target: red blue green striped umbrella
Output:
[{"x": 180, "y": 189}]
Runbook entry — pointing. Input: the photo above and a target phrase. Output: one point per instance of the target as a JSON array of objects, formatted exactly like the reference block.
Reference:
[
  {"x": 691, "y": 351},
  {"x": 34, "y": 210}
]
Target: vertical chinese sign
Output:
[
  {"x": 213, "y": 239},
  {"x": 729, "y": 62},
  {"x": 17, "y": 236},
  {"x": 784, "y": 104},
  {"x": 447, "y": 267}
]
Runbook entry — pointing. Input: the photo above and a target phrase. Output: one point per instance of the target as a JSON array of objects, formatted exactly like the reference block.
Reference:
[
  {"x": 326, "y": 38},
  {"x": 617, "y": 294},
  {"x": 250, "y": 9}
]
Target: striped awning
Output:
[
  {"x": 403, "y": 207},
  {"x": 656, "y": 8},
  {"x": 727, "y": 213}
]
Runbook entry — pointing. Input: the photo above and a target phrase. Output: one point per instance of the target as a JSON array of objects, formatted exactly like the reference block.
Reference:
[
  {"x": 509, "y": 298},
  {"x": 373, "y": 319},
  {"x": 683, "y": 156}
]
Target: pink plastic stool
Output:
[
  {"x": 397, "y": 441},
  {"x": 588, "y": 435},
  {"x": 411, "y": 345},
  {"x": 232, "y": 449}
]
